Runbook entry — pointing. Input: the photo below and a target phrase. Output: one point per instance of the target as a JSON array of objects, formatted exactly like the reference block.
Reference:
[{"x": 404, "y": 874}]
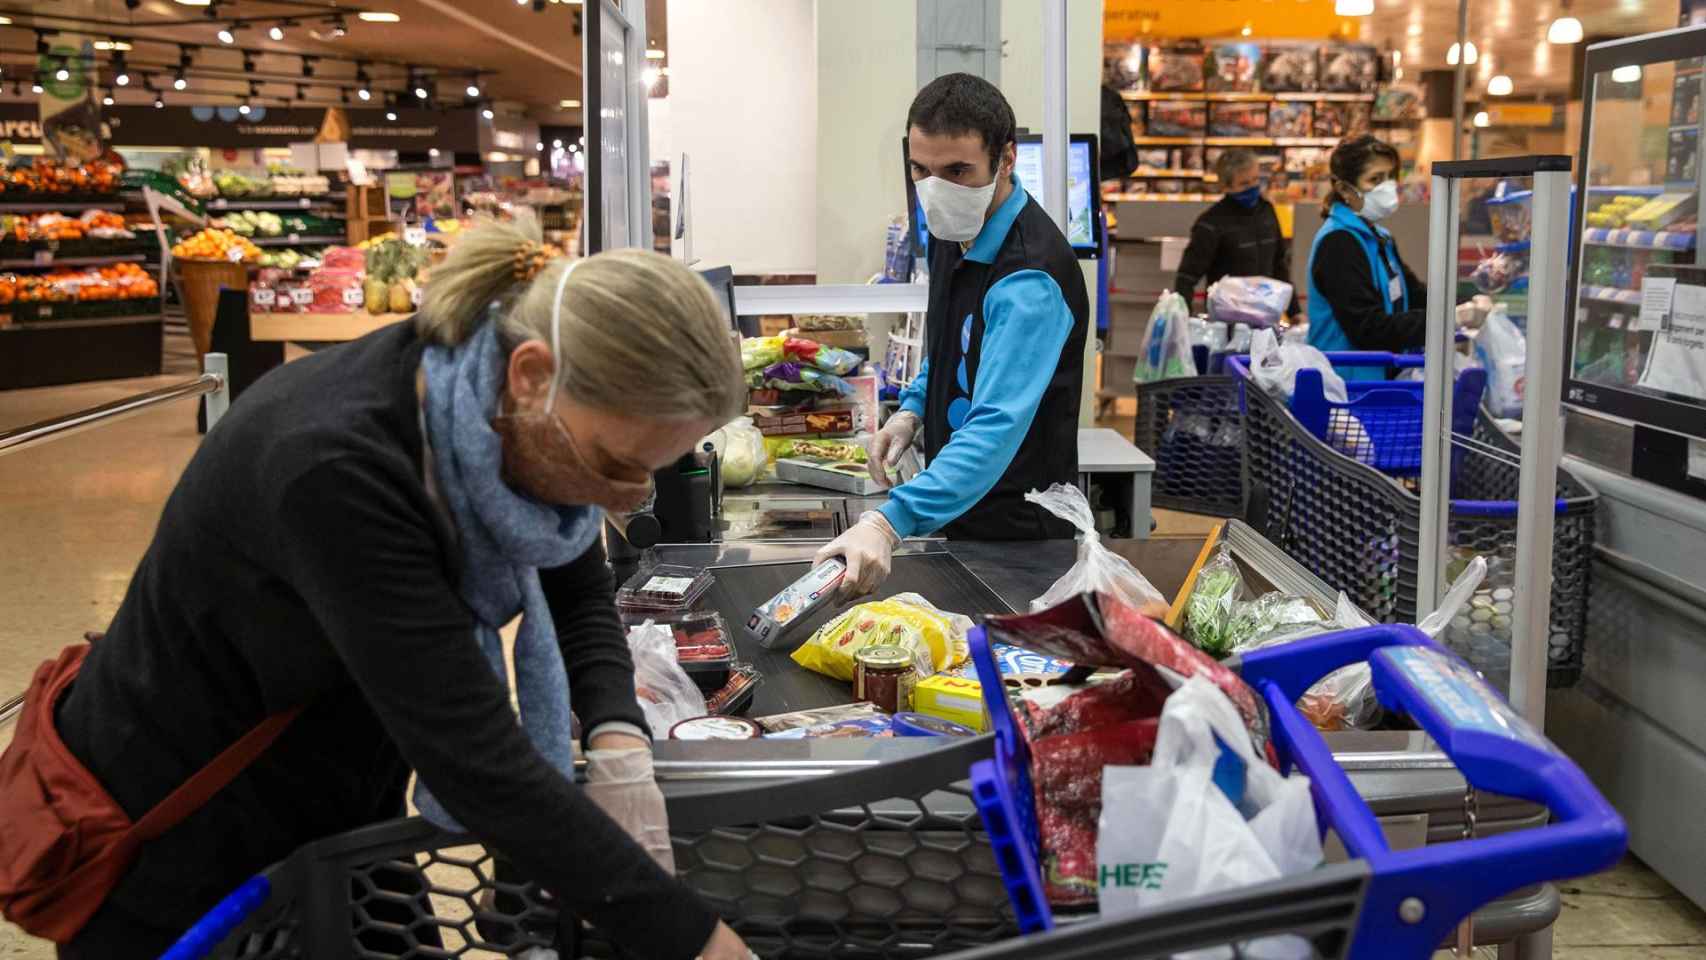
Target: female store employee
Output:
[
  {"x": 349, "y": 539},
  {"x": 1361, "y": 295},
  {"x": 997, "y": 396}
]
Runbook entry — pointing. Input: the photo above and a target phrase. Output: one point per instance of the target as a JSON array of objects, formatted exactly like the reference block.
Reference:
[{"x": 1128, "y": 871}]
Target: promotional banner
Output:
[
  {"x": 75, "y": 126},
  {"x": 1127, "y": 20},
  {"x": 70, "y": 117}
]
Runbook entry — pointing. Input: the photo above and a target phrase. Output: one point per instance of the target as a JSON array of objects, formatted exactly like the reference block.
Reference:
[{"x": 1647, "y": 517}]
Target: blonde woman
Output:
[{"x": 347, "y": 543}]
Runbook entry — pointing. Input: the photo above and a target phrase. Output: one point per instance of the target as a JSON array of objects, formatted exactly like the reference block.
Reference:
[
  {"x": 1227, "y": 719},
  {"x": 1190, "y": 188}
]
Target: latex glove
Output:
[
  {"x": 725, "y": 944},
  {"x": 888, "y": 444},
  {"x": 1471, "y": 312},
  {"x": 867, "y": 548},
  {"x": 621, "y": 783}
]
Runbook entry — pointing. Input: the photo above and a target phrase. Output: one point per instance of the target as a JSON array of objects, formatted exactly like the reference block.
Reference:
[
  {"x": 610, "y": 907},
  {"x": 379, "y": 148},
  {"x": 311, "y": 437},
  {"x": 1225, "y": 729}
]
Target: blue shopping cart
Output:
[{"x": 1408, "y": 901}]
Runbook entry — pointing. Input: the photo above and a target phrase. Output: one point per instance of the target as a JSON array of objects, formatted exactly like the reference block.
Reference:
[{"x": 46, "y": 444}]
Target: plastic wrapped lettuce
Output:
[
  {"x": 1209, "y": 611},
  {"x": 756, "y": 353}
]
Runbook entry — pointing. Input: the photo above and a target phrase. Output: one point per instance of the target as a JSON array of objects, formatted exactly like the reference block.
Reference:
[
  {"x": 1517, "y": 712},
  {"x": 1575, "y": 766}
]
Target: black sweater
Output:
[
  {"x": 299, "y": 562},
  {"x": 1343, "y": 276},
  {"x": 1232, "y": 240}
]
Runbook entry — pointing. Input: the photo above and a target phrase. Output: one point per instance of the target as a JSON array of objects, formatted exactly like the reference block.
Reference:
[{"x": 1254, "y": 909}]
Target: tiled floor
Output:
[{"x": 76, "y": 515}]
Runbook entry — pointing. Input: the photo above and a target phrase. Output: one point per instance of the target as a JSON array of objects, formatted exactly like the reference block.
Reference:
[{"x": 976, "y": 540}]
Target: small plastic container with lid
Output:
[
  {"x": 736, "y": 695},
  {"x": 663, "y": 588},
  {"x": 716, "y": 728}
]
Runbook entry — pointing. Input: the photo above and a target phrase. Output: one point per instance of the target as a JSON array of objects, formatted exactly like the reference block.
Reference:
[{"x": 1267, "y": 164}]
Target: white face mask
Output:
[
  {"x": 954, "y": 212},
  {"x": 1378, "y": 203}
]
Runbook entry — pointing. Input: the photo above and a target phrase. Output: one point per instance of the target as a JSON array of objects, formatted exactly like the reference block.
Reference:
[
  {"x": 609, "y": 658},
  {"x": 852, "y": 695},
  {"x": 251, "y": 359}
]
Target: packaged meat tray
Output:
[
  {"x": 334, "y": 291},
  {"x": 1175, "y": 67},
  {"x": 664, "y": 587},
  {"x": 1231, "y": 67},
  {"x": 1177, "y": 118}
]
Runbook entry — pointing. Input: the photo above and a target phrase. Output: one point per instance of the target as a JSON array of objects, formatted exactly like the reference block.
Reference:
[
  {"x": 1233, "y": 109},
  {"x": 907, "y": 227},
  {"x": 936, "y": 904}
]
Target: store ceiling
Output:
[
  {"x": 529, "y": 58},
  {"x": 1509, "y": 35}
]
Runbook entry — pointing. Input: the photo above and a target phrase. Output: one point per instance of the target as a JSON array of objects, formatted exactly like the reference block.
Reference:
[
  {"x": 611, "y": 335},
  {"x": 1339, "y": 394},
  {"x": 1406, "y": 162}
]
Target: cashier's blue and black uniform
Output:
[
  {"x": 1362, "y": 296},
  {"x": 999, "y": 390}
]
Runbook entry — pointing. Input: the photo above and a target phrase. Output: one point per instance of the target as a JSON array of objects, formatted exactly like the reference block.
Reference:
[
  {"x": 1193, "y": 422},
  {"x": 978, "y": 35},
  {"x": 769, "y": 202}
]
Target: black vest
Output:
[{"x": 954, "y": 331}]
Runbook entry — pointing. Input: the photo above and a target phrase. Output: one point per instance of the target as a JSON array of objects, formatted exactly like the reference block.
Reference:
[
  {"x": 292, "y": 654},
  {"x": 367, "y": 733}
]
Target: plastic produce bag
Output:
[
  {"x": 1274, "y": 367},
  {"x": 666, "y": 693},
  {"x": 936, "y": 637},
  {"x": 825, "y": 358},
  {"x": 743, "y": 453},
  {"x": 1257, "y": 301},
  {"x": 1098, "y": 570},
  {"x": 1206, "y": 815},
  {"x": 1503, "y": 350},
  {"x": 756, "y": 353},
  {"x": 1167, "y": 342},
  {"x": 791, "y": 376},
  {"x": 1209, "y": 611}
]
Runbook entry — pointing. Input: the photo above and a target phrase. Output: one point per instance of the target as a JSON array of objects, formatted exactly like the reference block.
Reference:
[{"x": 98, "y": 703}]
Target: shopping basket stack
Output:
[
  {"x": 1193, "y": 427},
  {"x": 1334, "y": 485}
]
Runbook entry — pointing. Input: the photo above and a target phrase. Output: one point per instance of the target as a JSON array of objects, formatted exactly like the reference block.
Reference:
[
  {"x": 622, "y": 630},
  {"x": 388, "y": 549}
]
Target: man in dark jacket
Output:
[{"x": 1239, "y": 236}]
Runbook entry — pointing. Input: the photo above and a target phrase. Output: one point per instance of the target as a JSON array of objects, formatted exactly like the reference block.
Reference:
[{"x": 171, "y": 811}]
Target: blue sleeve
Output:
[
  {"x": 1024, "y": 318},
  {"x": 912, "y": 397}
]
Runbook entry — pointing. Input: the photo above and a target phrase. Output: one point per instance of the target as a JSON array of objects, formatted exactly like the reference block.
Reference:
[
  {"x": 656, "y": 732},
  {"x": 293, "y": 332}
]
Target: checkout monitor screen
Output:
[{"x": 1083, "y": 196}]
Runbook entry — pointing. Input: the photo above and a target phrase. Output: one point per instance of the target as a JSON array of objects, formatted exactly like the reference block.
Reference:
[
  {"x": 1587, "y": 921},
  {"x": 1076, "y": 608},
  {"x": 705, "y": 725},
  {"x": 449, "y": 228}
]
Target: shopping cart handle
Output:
[{"x": 212, "y": 929}]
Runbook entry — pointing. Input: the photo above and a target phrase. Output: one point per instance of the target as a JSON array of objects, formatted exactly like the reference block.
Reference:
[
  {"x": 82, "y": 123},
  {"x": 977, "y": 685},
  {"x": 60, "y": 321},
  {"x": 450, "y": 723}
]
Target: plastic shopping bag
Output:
[
  {"x": 1274, "y": 367},
  {"x": 667, "y": 695},
  {"x": 1166, "y": 342},
  {"x": 1207, "y": 815},
  {"x": 1503, "y": 351},
  {"x": 1257, "y": 301},
  {"x": 1098, "y": 570}
]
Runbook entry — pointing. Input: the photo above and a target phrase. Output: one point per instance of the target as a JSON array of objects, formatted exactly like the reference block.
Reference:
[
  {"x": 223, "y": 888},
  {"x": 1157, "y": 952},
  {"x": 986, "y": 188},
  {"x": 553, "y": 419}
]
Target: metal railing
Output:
[{"x": 212, "y": 385}]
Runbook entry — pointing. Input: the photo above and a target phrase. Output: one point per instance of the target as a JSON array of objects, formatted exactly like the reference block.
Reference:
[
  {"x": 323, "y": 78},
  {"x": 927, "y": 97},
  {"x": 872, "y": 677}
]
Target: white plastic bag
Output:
[
  {"x": 1166, "y": 342},
  {"x": 1257, "y": 301},
  {"x": 1098, "y": 568},
  {"x": 1172, "y": 830},
  {"x": 667, "y": 695},
  {"x": 1274, "y": 366},
  {"x": 1503, "y": 350},
  {"x": 742, "y": 452}
]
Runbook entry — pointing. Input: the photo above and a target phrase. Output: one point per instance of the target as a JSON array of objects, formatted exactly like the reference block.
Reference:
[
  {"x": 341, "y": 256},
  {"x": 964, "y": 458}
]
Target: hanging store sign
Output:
[
  {"x": 1128, "y": 20},
  {"x": 70, "y": 118},
  {"x": 454, "y": 131},
  {"x": 1520, "y": 114}
]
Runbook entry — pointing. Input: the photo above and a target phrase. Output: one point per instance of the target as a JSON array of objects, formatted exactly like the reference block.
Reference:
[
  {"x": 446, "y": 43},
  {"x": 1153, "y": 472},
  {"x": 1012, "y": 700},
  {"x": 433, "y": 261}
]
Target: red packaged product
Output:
[
  {"x": 335, "y": 291},
  {"x": 343, "y": 258}
]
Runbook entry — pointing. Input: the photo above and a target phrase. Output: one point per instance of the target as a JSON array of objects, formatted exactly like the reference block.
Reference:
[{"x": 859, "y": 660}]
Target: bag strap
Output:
[{"x": 211, "y": 779}]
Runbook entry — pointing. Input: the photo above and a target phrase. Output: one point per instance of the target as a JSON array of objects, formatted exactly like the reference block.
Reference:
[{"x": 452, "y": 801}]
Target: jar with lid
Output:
[{"x": 884, "y": 676}]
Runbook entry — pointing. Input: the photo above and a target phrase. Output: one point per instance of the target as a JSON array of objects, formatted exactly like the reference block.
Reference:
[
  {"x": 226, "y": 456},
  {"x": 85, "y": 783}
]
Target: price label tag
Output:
[
  {"x": 235, "y": 254},
  {"x": 294, "y": 238},
  {"x": 301, "y": 296},
  {"x": 415, "y": 236},
  {"x": 352, "y": 296},
  {"x": 220, "y": 204},
  {"x": 44, "y": 256},
  {"x": 304, "y": 203},
  {"x": 265, "y": 297}
]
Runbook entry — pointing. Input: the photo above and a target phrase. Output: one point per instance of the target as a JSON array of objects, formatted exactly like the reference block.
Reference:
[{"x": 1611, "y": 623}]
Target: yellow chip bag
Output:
[{"x": 936, "y": 638}]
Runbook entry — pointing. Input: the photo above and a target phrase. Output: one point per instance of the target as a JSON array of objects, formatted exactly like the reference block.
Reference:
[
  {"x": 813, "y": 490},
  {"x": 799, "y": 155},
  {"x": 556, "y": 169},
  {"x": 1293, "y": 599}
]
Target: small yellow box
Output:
[{"x": 955, "y": 699}]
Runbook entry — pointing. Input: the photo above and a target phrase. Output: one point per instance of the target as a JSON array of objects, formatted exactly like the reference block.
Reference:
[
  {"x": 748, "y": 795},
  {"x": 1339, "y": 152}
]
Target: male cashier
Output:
[{"x": 996, "y": 400}]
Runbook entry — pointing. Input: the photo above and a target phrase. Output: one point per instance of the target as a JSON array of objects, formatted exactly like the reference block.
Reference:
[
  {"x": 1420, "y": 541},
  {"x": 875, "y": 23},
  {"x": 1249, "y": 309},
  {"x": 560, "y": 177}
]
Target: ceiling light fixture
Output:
[
  {"x": 243, "y": 108},
  {"x": 227, "y": 34},
  {"x": 62, "y": 74},
  {"x": 276, "y": 32},
  {"x": 1353, "y": 8},
  {"x": 378, "y": 16},
  {"x": 391, "y": 115},
  {"x": 365, "y": 94},
  {"x": 420, "y": 93},
  {"x": 556, "y": 144},
  {"x": 194, "y": 3},
  {"x": 540, "y": 145},
  {"x": 473, "y": 88},
  {"x": 1566, "y": 29},
  {"x": 1246, "y": 30},
  {"x": 107, "y": 100},
  {"x": 1481, "y": 119},
  {"x": 1628, "y": 73},
  {"x": 99, "y": 44},
  {"x": 568, "y": 104},
  {"x": 432, "y": 152},
  {"x": 35, "y": 87},
  {"x": 651, "y": 76},
  {"x": 178, "y": 82},
  {"x": 653, "y": 53},
  {"x": 159, "y": 104},
  {"x": 487, "y": 113},
  {"x": 1499, "y": 86},
  {"x": 1469, "y": 54}
]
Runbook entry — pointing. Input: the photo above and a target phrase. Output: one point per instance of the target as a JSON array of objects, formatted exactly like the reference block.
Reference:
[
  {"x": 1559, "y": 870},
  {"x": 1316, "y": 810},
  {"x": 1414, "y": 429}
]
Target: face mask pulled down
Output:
[
  {"x": 954, "y": 212},
  {"x": 542, "y": 460},
  {"x": 1379, "y": 202}
]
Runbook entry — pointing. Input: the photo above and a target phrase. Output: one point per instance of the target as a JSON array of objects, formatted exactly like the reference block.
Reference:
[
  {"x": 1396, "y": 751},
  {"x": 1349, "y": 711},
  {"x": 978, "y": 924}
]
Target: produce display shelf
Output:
[
  {"x": 293, "y": 239},
  {"x": 1637, "y": 239},
  {"x": 48, "y": 206},
  {"x": 1611, "y": 294},
  {"x": 318, "y": 327},
  {"x": 47, "y": 259},
  {"x": 82, "y": 322},
  {"x": 1232, "y": 97},
  {"x": 273, "y": 203},
  {"x": 1147, "y": 141}
]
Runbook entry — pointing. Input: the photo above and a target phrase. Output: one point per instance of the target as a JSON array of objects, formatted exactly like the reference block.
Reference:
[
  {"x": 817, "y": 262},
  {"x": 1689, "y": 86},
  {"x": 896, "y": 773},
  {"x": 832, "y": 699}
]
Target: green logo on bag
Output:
[{"x": 1142, "y": 876}]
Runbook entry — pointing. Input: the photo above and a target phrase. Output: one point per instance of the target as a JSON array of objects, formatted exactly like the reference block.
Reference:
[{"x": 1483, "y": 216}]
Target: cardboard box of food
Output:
[
  {"x": 955, "y": 699},
  {"x": 846, "y": 477},
  {"x": 823, "y": 423},
  {"x": 845, "y": 339}
]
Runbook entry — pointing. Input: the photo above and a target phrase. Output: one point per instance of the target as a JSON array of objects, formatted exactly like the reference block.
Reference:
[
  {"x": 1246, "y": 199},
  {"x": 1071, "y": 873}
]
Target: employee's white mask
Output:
[
  {"x": 1378, "y": 203},
  {"x": 954, "y": 212}
]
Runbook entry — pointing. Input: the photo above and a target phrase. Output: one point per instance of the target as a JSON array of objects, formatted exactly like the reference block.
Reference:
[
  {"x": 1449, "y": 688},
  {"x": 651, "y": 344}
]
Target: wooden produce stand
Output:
[
  {"x": 318, "y": 327},
  {"x": 201, "y": 282}
]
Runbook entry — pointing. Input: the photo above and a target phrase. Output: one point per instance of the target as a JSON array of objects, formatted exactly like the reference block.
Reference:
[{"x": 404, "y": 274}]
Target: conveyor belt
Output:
[{"x": 938, "y": 577}]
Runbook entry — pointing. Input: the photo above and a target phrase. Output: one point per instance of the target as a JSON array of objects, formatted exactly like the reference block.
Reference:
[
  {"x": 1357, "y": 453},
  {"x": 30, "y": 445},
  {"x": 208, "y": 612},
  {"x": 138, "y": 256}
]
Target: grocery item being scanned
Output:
[
  {"x": 770, "y": 622},
  {"x": 936, "y": 638}
]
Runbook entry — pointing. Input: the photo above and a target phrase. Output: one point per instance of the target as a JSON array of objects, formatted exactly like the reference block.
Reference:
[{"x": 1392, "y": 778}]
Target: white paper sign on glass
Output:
[
  {"x": 1677, "y": 362},
  {"x": 1656, "y": 294}
]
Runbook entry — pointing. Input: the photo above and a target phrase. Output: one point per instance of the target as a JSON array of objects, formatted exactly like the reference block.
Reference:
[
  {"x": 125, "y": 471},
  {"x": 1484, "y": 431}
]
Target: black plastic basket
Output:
[
  {"x": 1194, "y": 430},
  {"x": 1359, "y": 530},
  {"x": 884, "y": 861}
]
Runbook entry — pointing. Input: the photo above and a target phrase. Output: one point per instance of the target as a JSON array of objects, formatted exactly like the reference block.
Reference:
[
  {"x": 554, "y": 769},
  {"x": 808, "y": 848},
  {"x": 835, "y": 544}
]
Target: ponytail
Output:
[{"x": 481, "y": 269}]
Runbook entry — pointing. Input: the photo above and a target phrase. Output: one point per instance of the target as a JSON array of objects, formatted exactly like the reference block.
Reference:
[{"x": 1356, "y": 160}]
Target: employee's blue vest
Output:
[{"x": 1325, "y": 334}]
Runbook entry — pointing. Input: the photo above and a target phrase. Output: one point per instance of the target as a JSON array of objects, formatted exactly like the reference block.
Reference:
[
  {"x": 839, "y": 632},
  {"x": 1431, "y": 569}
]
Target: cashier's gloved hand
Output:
[
  {"x": 866, "y": 548},
  {"x": 888, "y": 445},
  {"x": 621, "y": 783},
  {"x": 1473, "y": 311}
]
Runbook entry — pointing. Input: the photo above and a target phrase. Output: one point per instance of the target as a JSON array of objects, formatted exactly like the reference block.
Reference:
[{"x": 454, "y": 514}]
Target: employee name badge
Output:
[{"x": 1395, "y": 289}]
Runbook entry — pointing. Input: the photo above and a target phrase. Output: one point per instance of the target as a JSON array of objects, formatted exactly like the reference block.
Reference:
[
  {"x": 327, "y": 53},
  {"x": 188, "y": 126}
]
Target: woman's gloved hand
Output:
[
  {"x": 621, "y": 783},
  {"x": 725, "y": 944},
  {"x": 888, "y": 444},
  {"x": 867, "y": 548}
]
